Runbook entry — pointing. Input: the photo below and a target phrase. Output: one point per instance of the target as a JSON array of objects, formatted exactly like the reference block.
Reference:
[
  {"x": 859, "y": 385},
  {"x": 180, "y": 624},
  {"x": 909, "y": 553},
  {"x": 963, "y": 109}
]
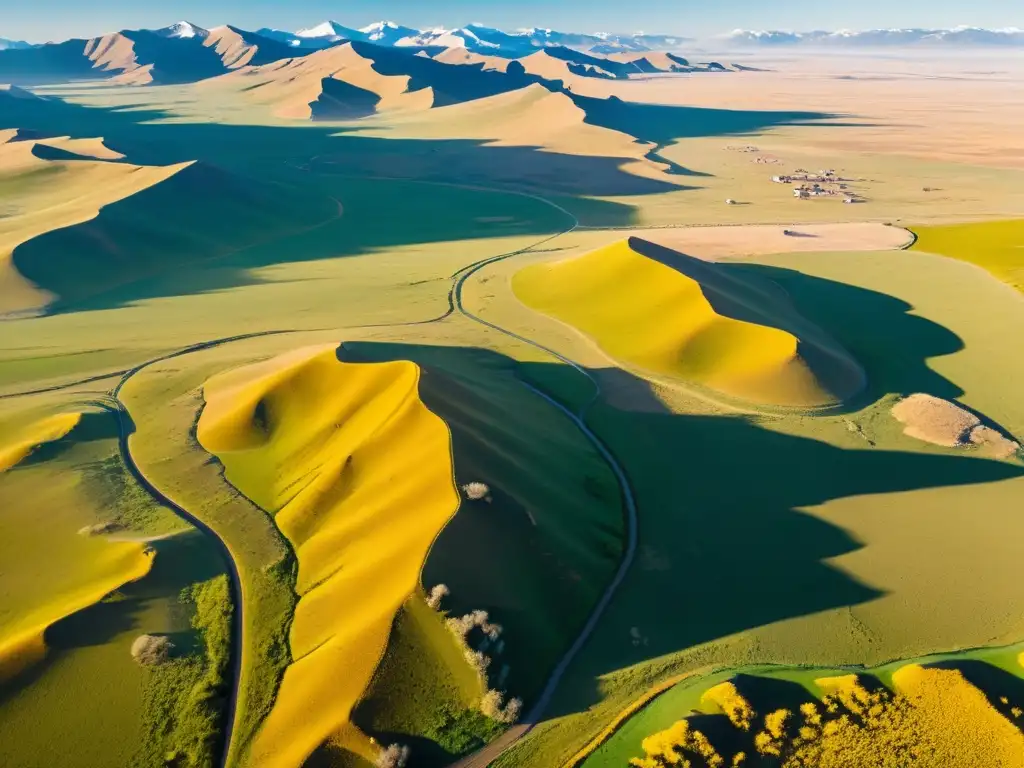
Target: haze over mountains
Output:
[{"x": 959, "y": 36}]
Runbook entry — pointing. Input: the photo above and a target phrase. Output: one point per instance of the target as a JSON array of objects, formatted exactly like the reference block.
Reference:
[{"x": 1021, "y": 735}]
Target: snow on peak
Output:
[
  {"x": 387, "y": 32},
  {"x": 326, "y": 29},
  {"x": 182, "y": 29}
]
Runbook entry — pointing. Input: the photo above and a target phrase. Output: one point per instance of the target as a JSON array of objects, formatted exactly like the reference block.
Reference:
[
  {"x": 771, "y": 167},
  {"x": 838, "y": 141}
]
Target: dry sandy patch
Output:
[
  {"x": 725, "y": 242},
  {"x": 941, "y": 422}
]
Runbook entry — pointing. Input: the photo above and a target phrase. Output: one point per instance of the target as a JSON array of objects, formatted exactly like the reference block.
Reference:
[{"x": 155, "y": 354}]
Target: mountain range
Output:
[
  {"x": 472, "y": 37},
  {"x": 958, "y": 36},
  {"x": 184, "y": 52}
]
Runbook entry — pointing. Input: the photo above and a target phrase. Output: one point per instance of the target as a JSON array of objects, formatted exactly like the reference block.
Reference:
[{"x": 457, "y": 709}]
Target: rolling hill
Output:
[
  {"x": 338, "y": 453},
  {"x": 91, "y": 176},
  {"x": 673, "y": 314},
  {"x": 358, "y": 79},
  {"x": 165, "y": 219}
]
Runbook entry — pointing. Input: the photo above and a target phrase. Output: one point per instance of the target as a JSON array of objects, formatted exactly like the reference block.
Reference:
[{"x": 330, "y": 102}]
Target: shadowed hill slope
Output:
[
  {"x": 535, "y": 116},
  {"x": 239, "y": 48},
  {"x": 48, "y": 183},
  {"x": 356, "y": 79},
  {"x": 677, "y": 315},
  {"x": 197, "y": 213}
]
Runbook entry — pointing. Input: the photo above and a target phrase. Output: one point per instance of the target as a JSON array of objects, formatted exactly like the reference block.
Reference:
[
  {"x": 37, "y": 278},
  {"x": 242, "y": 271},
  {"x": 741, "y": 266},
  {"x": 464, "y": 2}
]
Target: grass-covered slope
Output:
[
  {"x": 357, "y": 473},
  {"x": 90, "y": 563},
  {"x": 676, "y": 315},
  {"x": 540, "y": 547},
  {"x": 997, "y": 246},
  {"x": 49, "y": 183},
  {"x": 424, "y": 694},
  {"x": 35, "y": 595}
]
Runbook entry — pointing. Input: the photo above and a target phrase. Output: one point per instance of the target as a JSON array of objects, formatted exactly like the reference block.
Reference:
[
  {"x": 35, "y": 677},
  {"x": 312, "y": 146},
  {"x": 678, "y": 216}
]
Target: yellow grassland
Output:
[
  {"x": 688, "y": 319},
  {"x": 933, "y": 716},
  {"x": 31, "y": 437},
  {"x": 113, "y": 564},
  {"x": 358, "y": 476}
]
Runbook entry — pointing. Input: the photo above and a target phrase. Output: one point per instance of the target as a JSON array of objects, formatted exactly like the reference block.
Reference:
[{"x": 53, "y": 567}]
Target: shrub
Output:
[
  {"x": 150, "y": 650},
  {"x": 493, "y": 706},
  {"x": 100, "y": 529},
  {"x": 393, "y": 756},
  {"x": 437, "y": 594},
  {"x": 478, "y": 661},
  {"x": 477, "y": 491}
]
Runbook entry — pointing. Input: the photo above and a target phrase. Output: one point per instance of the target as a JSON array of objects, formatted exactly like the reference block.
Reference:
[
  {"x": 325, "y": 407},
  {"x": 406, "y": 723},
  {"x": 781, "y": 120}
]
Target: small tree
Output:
[
  {"x": 437, "y": 594},
  {"x": 393, "y": 756},
  {"x": 150, "y": 650},
  {"x": 493, "y": 706},
  {"x": 477, "y": 491}
]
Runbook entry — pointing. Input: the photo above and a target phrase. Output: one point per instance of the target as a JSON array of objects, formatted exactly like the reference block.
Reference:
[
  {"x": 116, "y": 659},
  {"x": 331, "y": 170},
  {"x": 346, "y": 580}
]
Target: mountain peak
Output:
[
  {"x": 182, "y": 29},
  {"x": 387, "y": 32},
  {"x": 327, "y": 29}
]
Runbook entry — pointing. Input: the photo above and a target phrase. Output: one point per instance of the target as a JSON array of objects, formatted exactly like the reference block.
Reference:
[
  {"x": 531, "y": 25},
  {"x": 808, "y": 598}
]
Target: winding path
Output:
[
  {"x": 490, "y": 752},
  {"x": 496, "y": 748},
  {"x": 125, "y": 429}
]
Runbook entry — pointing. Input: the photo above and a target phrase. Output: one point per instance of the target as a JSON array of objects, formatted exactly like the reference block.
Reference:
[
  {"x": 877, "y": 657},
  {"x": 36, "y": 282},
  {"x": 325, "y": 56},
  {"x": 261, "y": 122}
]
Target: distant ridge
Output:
[
  {"x": 958, "y": 36},
  {"x": 7, "y": 45}
]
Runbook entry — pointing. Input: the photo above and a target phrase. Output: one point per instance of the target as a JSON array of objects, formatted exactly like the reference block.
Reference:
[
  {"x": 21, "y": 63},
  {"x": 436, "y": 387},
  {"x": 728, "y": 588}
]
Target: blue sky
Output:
[{"x": 40, "y": 20}]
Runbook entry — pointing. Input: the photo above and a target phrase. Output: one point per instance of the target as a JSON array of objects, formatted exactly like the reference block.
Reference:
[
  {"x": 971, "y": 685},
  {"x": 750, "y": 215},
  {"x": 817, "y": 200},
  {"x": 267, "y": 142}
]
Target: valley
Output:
[{"x": 394, "y": 397}]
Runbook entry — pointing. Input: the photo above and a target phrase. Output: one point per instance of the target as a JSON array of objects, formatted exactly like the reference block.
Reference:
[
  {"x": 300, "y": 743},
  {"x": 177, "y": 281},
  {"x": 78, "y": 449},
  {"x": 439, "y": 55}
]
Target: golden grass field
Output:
[
  {"x": 258, "y": 341},
  {"x": 358, "y": 476},
  {"x": 680, "y": 316},
  {"x": 932, "y": 715}
]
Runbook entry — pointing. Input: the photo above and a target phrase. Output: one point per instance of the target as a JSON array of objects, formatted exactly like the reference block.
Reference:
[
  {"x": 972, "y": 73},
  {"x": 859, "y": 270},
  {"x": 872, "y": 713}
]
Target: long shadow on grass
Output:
[
  {"x": 251, "y": 201},
  {"x": 180, "y": 561},
  {"x": 891, "y": 344},
  {"x": 537, "y": 551},
  {"x": 723, "y": 544}
]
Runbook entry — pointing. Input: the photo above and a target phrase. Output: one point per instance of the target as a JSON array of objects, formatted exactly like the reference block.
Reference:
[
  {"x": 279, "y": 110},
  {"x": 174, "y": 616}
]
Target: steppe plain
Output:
[{"x": 267, "y": 381}]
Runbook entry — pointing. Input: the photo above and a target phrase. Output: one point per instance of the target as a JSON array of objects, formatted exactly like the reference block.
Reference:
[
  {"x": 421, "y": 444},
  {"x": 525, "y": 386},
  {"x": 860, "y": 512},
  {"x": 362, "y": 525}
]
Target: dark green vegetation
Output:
[
  {"x": 424, "y": 694},
  {"x": 189, "y": 736},
  {"x": 165, "y": 401}
]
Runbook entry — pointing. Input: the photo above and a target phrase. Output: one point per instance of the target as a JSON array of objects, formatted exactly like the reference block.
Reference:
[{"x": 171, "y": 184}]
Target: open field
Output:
[
  {"x": 995, "y": 246},
  {"x": 411, "y": 396}
]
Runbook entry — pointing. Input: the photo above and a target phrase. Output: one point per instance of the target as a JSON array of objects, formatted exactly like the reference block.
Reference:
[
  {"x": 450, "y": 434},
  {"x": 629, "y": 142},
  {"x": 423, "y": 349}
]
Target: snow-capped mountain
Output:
[
  {"x": 10, "y": 45},
  {"x": 465, "y": 37},
  {"x": 963, "y": 36},
  {"x": 387, "y": 32},
  {"x": 330, "y": 30},
  {"x": 182, "y": 29},
  {"x": 483, "y": 39}
]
